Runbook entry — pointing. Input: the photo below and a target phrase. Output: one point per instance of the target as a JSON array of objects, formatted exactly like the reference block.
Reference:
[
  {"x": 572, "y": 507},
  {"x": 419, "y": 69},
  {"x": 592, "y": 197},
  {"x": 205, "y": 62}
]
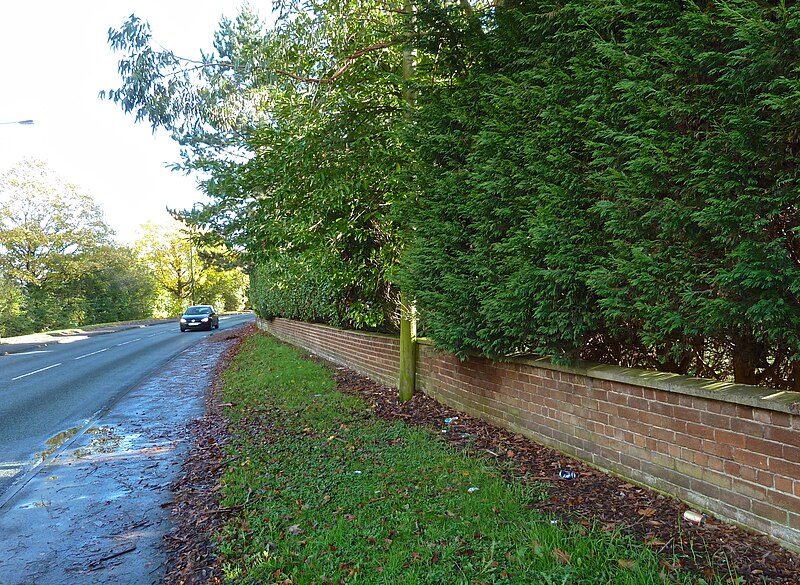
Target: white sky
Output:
[{"x": 55, "y": 59}]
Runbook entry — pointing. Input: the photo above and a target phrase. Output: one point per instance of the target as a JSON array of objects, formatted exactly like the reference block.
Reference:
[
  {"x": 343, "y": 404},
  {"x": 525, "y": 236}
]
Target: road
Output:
[{"x": 50, "y": 393}]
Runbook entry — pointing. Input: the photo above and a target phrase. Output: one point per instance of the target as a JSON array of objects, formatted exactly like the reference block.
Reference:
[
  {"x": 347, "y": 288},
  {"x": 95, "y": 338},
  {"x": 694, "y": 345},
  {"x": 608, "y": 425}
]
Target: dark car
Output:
[{"x": 200, "y": 317}]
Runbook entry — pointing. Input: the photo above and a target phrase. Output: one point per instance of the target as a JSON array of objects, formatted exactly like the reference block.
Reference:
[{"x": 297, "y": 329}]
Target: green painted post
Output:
[
  {"x": 408, "y": 350},
  {"x": 408, "y": 325}
]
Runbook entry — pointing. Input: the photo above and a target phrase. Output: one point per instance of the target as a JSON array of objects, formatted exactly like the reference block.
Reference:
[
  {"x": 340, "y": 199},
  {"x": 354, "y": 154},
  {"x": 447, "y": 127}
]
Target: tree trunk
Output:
[{"x": 746, "y": 358}]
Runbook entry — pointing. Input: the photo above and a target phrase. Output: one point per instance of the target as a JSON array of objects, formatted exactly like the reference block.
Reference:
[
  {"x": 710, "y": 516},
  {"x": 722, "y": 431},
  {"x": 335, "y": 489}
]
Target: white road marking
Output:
[
  {"x": 36, "y": 371},
  {"x": 93, "y": 353},
  {"x": 127, "y": 342}
]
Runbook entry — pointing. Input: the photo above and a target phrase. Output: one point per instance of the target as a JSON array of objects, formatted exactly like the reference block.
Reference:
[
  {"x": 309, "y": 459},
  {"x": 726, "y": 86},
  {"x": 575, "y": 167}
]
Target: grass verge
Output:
[{"x": 322, "y": 492}]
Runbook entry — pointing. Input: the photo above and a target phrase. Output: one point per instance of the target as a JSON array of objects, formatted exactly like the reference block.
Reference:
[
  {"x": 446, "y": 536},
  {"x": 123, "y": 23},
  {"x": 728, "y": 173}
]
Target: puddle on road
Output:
[
  {"x": 54, "y": 442},
  {"x": 35, "y": 504},
  {"x": 105, "y": 440}
]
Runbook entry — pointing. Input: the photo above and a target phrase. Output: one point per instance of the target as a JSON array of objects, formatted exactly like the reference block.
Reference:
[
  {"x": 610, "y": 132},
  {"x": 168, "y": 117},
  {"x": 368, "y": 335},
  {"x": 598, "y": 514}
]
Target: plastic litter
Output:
[
  {"x": 472, "y": 490},
  {"x": 566, "y": 474},
  {"x": 448, "y": 420}
]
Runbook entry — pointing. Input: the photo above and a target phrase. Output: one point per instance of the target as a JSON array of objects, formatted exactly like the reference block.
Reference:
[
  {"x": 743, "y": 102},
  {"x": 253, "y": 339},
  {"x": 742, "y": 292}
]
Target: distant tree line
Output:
[
  {"x": 60, "y": 267},
  {"x": 611, "y": 181}
]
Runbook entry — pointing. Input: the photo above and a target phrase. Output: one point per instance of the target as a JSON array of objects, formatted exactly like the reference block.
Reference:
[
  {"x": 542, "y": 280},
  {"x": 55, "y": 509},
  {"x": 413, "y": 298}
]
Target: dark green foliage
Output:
[
  {"x": 302, "y": 291},
  {"x": 113, "y": 286},
  {"x": 119, "y": 288},
  {"x": 608, "y": 180},
  {"x": 313, "y": 215},
  {"x": 618, "y": 182}
]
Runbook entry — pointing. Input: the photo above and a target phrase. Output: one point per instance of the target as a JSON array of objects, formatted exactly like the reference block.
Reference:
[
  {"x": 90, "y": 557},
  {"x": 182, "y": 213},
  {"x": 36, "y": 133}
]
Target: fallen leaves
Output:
[
  {"x": 627, "y": 564},
  {"x": 562, "y": 556},
  {"x": 606, "y": 501}
]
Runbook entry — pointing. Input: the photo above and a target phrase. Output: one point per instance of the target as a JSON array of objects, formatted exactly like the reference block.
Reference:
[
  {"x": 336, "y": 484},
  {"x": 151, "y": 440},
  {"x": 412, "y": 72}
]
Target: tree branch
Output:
[{"x": 349, "y": 62}]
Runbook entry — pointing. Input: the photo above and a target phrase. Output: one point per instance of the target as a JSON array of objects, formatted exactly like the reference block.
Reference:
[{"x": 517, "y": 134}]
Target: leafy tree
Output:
[
  {"x": 119, "y": 287},
  {"x": 48, "y": 228},
  {"x": 226, "y": 289},
  {"x": 11, "y": 300},
  {"x": 299, "y": 130},
  {"x": 185, "y": 274},
  {"x": 168, "y": 255}
]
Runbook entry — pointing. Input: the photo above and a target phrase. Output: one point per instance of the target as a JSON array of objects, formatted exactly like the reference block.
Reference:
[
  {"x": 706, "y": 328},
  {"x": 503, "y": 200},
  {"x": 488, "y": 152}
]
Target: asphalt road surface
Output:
[
  {"x": 101, "y": 509},
  {"x": 47, "y": 394}
]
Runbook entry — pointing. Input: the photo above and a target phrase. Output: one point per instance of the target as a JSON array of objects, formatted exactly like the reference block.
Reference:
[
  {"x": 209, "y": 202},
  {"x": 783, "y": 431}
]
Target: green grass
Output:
[{"x": 324, "y": 492}]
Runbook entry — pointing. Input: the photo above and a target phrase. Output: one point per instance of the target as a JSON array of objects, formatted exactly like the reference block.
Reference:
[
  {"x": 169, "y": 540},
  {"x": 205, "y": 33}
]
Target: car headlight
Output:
[
  {"x": 183, "y": 320},
  {"x": 204, "y": 319}
]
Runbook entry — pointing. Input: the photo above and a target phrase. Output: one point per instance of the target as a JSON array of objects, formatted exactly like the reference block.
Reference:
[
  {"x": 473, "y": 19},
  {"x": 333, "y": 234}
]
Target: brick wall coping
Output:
[
  {"x": 744, "y": 394},
  {"x": 756, "y": 396},
  {"x": 260, "y": 321}
]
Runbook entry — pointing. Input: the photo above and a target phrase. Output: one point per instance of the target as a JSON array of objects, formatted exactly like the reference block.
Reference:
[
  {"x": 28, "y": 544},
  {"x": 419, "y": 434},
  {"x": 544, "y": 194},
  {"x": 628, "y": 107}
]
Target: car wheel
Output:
[
  {"x": 183, "y": 330},
  {"x": 217, "y": 325}
]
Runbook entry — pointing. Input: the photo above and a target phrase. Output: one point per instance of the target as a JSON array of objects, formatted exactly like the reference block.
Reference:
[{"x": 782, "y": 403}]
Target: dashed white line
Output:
[
  {"x": 36, "y": 371},
  {"x": 127, "y": 342},
  {"x": 93, "y": 353}
]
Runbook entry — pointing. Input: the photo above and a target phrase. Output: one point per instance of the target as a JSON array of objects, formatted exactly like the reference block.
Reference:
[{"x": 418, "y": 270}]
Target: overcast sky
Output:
[{"x": 55, "y": 59}]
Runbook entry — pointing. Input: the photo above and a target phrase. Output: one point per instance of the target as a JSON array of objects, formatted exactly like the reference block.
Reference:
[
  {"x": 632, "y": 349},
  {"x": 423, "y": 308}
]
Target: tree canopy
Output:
[
  {"x": 613, "y": 181},
  {"x": 60, "y": 268},
  {"x": 186, "y": 272},
  {"x": 58, "y": 264},
  {"x": 300, "y": 129},
  {"x": 44, "y": 225},
  {"x": 618, "y": 182}
]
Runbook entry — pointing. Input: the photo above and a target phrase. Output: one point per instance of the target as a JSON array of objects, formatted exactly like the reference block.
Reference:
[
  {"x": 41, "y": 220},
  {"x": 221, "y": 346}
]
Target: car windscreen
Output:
[{"x": 197, "y": 311}]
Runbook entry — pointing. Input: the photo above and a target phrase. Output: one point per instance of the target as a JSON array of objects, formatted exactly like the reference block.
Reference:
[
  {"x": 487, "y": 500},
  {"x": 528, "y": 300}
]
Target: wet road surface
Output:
[
  {"x": 49, "y": 391},
  {"x": 97, "y": 511}
]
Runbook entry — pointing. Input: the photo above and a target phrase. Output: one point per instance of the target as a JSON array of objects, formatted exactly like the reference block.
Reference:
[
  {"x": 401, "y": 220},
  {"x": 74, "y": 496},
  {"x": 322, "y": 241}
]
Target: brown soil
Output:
[{"x": 592, "y": 498}]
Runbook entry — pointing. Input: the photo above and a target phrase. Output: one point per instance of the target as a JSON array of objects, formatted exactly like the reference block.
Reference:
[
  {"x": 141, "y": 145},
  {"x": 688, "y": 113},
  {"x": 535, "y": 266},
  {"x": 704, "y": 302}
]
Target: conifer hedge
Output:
[
  {"x": 616, "y": 181},
  {"x": 611, "y": 180}
]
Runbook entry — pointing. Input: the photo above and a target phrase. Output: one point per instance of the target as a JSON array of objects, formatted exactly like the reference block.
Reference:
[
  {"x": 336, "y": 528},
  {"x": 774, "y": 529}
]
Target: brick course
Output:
[{"x": 731, "y": 450}]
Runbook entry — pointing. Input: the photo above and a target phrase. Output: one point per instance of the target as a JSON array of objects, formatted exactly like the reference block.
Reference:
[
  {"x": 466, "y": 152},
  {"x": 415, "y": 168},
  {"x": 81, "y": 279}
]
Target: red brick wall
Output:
[
  {"x": 372, "y": 355},
  {"x": 731, "y": 450}
]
